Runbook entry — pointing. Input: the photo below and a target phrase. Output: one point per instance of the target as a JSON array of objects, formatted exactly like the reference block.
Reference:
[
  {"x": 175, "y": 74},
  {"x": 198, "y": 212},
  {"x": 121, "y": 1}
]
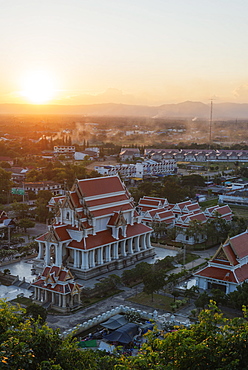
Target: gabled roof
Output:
[
  {"x": 56, "y": 233},
  {"x": 192, "y": 208},
  {"x": 164, "y": 215},
  {"x": 57, "y": 279},
  {"x": 152, "y": 213},
  {"x": 239, "y": 244},
  {"x": 108, "y": 200},
  {"x": 105, "y": 237},
  {"x": 100, "y": 185},
  {"x": 218, "y": 273},
  {"x": 225, "y": 255}
]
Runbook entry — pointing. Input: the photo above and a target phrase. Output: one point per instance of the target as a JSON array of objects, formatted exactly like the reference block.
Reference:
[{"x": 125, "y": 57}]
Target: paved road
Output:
[{"x": 67, "y": 322}]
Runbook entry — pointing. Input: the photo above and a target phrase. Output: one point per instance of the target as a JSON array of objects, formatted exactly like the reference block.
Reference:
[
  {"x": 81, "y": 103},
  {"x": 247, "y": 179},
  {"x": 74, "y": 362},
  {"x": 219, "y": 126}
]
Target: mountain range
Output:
[{"x": 187, "y": 109}]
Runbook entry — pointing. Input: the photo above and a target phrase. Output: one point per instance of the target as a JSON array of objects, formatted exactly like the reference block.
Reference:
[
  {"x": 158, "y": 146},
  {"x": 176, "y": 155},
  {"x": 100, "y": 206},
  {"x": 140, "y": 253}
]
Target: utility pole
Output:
[{"x": 210, "y": 123}]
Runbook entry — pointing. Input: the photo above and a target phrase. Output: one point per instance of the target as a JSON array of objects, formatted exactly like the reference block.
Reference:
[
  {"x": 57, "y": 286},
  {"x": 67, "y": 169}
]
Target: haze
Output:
[{"x": 133, "y": 52}]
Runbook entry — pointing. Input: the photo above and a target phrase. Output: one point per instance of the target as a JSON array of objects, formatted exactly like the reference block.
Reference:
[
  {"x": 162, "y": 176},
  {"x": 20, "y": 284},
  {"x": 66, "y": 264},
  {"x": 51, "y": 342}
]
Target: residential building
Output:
[{"x": 37, "y": 186}]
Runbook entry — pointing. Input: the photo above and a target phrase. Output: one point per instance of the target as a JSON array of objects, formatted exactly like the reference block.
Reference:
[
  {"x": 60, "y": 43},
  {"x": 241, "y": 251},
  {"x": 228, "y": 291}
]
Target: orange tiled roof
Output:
[
  {"x": 110, "y": 210},
  {"x": 105, "y": 237},
  {"x": 75, "y": 199},
  {"x": 240, "y": 244},
  {"x": 218, "y": 273},
  {"x": 100, "y": 185},
  {"x": 107, "y": 200}
]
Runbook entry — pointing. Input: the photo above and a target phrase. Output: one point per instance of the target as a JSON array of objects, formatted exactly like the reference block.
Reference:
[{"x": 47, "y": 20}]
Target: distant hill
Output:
[{"x": 186, "y": 109}]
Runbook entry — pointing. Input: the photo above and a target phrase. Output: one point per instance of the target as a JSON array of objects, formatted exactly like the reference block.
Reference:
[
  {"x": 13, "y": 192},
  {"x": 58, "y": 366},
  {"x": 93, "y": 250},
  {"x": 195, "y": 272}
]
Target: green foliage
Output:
[
  {"x": 37, "y": 312},
  {"x": 212, "y": 343},
  {"x": 21, "y": 210},
  {"x": 5, "y": 185},
  {"x": 153, "y": 281},
  {"x": 133, "y": 316},
  {"x": 26, "y": 223},
  {"x": 202, "y": 300},
  {"x": 193, "y": 180}
]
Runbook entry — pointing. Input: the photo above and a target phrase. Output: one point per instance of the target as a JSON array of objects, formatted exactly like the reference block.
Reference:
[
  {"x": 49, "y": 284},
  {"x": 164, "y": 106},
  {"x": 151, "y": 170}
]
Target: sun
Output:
[{"x": 38, "y": 87}]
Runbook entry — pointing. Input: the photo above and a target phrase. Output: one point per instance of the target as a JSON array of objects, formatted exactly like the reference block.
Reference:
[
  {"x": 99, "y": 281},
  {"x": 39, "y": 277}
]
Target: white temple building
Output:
[{"x": 96, "y": 230}]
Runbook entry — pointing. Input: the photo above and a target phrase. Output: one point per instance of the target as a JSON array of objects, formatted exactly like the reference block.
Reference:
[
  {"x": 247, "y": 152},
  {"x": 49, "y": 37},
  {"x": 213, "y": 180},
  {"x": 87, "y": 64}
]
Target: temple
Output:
[
  {"x": 96, "y": 230},
  {"x": 55, "y": 287},
  {"x": 229, "y": 266}
]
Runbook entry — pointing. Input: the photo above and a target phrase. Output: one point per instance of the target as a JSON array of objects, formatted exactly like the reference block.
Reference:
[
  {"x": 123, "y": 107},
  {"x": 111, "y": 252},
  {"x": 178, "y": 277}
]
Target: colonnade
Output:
[
  {"x": 86, "y": 259},
  {"x": 57, "y": 299}
]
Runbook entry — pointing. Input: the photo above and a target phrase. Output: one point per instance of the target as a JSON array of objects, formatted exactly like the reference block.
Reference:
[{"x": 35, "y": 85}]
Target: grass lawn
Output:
[
  {"x": 23, "y": 301},
  {"x": 209, "y": 203},
  {"x": 239, "y": 211},
  {"x": 159, "y": 301}
]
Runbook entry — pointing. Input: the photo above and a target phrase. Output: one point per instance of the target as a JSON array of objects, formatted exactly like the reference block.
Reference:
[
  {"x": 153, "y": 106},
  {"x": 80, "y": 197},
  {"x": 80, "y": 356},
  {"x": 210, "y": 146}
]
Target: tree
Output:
[
  {"x": 193, "y": 180},
  {"x": 5, "y": 185},
  {"x": 195, "y": 229},
  {"x": 153, "y": 282},
  {"x": 202, "y": 300},
  {"x": 26, "y": 223},
  {"x": 37, "y": 312},
  {"x": 21, "y": 210}
]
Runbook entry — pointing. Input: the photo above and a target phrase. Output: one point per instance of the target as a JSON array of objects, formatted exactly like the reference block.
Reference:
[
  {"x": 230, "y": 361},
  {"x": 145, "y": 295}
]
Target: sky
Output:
[{"x": 123, "y": 51}]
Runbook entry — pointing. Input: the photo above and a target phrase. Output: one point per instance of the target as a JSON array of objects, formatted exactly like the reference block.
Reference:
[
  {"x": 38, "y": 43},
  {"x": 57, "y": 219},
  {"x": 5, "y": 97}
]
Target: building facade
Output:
[
  {"x": 55, "y": 287},
  {"x": 96, "y": 229},
  {"x": 229, "y": 266}
]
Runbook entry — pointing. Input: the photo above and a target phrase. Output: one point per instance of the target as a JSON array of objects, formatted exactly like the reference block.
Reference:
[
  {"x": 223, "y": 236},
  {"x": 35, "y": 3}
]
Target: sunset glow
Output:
[
  {"x": 38, "y": 87},
  {"x": 126, "y": 52}
]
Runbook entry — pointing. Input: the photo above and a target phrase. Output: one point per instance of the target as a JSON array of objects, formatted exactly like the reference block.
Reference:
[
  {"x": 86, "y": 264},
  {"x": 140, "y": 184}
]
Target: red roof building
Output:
[
  {"x": 229, "y": 266},
  {"x": 96, "y": 229},
  {"x": 56, "y": 287}
]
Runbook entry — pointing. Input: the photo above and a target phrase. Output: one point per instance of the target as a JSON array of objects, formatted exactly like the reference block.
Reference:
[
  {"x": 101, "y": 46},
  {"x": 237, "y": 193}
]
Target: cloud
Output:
[{"x": 241, "y": 92}]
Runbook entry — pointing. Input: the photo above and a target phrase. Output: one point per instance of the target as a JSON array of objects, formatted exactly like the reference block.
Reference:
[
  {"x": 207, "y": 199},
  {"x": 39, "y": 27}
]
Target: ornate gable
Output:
[
  {"x": 51, "y": 236},
  {"x": 67, "y": 203},
  {"x": 120, "y": 221},
  {"x": 221, "y": 255}
]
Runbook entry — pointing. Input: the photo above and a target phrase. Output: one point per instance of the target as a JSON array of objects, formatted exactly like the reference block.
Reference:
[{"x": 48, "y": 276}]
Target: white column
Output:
[
  {"x": 148, "y": 240},
  {"x": 53, "y": 297},
  {"x": 130, "y": 245},
  {"x": 123, "y": 248},
  {"x": 92, "y": 258},
  {"x": 45, "y": 295},
  {"x": 39, "y": 294},
  {"x": 116, "y": 255},
  {"x": 35, "y": 294},
  {"x": 85, "y": 260},
  {"x": 108, "y": 255},
  {"x": 40, "y": 254},
  {"x": 136, "y": 241},
  {"x": 64, "y": 301},
  {"x": 47, "y": 257},
  {"x": 100, "y": 256},
  {"x": 143, "y": 242},
  {"x": 58, "y": 254},
  {"x": 60, "y": 299},
  {"x": 75, "y": 257}
]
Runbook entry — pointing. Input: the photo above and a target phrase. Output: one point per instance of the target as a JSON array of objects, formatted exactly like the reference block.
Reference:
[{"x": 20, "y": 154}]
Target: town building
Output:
[
  {"x": 229, "y": 266},
  {"x": 140, "y": 170},
  {"x": 66, "y": 150},
  {"x": 37, "y": 186},
  {"x": 202, "y": 155},
  {"x": 96, "y": 229},
  {"x": 128, "y": 154}
]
